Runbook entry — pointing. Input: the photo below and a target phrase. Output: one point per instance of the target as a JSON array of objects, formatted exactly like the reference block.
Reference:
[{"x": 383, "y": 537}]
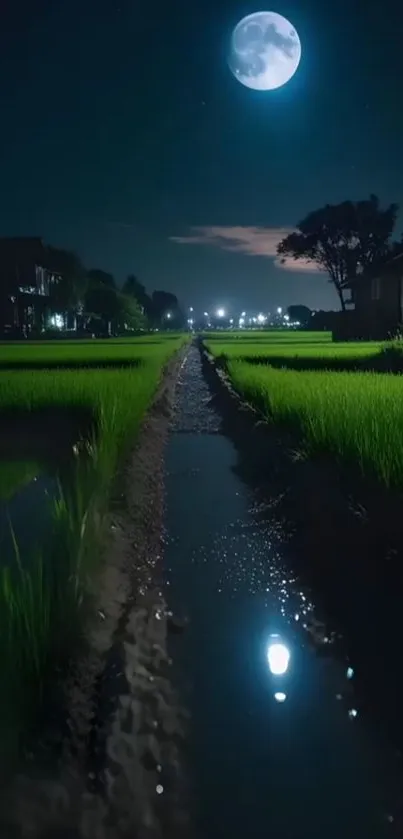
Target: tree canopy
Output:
[
  {"x": 86, "y": 299},
  {"x": 134, "y": 289},
  {"x": 343, "y": 240}
]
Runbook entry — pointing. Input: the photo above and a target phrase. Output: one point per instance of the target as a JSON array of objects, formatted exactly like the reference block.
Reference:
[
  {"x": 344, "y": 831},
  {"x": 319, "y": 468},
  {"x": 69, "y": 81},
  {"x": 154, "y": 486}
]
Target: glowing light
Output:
[
  {"x": 243, "y": 314},
  {"x": 260, "y": 61},
  {"x": 190, "y": 308},
  {"x": 241, "y": 321},
  {"x": 168, "y": 315},
  {"x": 280, "y": 697},
  {"x": 286, "y": 317},
  {"x": 206, "y": 314},
  {"x": 220, "y": 313},
  {"x": 261, "y": 318},
  {"x": 231, "y": 320},
  {"x": 352, "y": 713},
  {"x": 159, "y": 789},
  {"x": 57, "y": 321},
  {"x": 278, "y": 656},
  {"x": 350, "y": 672},
  {"x": 279, "y": 310}
]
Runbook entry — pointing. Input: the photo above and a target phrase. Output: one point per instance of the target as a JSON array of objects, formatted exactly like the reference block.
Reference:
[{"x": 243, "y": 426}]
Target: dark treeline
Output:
[{"x": 45, "y": 290}]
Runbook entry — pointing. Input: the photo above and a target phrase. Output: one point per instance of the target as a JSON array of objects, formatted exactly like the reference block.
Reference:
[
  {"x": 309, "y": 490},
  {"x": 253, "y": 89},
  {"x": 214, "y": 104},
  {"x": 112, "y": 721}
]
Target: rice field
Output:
[
  {"x": 85, "y": 353},
  {"x": 40, "y": 602},
  {"x": 285, "y": 350},
  {"x": 353, "y": 416}
]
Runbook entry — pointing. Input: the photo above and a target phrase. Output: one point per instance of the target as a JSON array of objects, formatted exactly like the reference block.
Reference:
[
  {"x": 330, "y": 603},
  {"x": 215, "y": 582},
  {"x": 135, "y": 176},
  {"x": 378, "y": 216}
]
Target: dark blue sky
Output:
[{"x": 123, "y": 128}]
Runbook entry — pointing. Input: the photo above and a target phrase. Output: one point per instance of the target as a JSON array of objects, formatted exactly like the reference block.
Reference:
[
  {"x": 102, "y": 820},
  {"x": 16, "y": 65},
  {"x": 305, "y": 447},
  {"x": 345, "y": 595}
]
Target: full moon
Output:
[{"x": 265, "y": 51}]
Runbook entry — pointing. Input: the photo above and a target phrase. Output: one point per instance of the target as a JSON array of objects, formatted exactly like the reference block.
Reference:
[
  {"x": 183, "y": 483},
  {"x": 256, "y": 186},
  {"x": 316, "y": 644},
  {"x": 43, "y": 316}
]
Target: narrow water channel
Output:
[{"x": 277, "y": 747}]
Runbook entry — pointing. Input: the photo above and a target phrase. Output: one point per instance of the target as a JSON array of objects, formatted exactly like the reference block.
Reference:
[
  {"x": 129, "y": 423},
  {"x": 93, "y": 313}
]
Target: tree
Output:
[
  {"x": 101, "y": 299},
  {"x": 130, "y": 314},
  {"x": 100, "y": 279},
  {"x": 166, "y": 310},
  {"x": 133, "y": 288},
  {"x": 343, "y": 240},
  {"x": 68, "y": 292},
  {"x": 302, "y": 314}
]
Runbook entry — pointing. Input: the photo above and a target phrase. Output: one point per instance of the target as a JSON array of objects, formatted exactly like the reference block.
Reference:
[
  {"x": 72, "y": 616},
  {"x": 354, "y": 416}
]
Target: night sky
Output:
[{"x": 124, "y": 136}]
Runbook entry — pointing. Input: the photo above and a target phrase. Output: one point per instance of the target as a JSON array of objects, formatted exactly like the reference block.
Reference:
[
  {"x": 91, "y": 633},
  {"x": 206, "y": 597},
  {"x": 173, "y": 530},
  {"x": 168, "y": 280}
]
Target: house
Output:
[
  {"x": 375, "y": 307},
  {"x": 25, "y": 284}
]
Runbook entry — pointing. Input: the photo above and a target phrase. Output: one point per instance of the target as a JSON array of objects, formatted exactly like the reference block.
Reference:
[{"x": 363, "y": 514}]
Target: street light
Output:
[
  {"x": 168, "y": 315},
  {"x": 261, "y": 318},
  {"x": 279, "y": 310},
  {"x": 190, "y": 308},
  {"x": 220, "y": 313},
  {"x": 205, "y": 314}
]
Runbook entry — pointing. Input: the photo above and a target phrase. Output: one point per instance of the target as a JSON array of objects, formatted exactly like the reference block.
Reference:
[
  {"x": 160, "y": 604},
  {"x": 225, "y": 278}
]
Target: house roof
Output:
[{"x": 21, "y": 249}]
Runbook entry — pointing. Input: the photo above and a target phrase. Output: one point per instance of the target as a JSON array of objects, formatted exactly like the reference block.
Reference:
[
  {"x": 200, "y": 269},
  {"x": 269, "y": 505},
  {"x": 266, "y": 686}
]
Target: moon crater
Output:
[{"x": 265, "y": 51}]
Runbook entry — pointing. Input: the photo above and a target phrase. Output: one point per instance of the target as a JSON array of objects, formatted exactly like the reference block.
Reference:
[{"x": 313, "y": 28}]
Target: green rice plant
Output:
[
  {"x": 355, "y": 417},
  {"x": 325, "y": 352},
  {"x": 40, "y": 603},
  {"x": 82, "y": 353},
  {"x": 288, "y": 336},
  {"x": 15, "y": 474}
]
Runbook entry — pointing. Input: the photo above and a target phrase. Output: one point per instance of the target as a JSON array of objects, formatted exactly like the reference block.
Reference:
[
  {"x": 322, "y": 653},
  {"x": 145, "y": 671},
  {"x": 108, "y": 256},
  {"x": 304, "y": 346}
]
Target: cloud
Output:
[{"x": 252, "y": 241}]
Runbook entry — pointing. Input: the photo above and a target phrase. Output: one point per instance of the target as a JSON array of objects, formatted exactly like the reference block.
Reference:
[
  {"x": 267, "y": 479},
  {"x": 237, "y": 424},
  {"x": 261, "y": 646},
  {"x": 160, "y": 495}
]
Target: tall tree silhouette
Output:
[{"x": 343, "y": 240}]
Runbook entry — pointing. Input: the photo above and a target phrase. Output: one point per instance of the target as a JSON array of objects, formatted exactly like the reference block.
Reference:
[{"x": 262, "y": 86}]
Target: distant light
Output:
[
  {"x": 280, "y": 697},
  {"x": 353, "y": 713},
  {"x": 278, "y": 656},
  {"x": 261, "y": 318},
  {"x": 205, "y": 314},
  {"x": 159, "y": 789},
  {"x": 243, "y": 314},
  {"x": 241, "y": 321},
  {"x": 279, "y": 310},
  {"x": 190, "y": 308},
  {"x": 231, "y": 320},
  {"x": 350, "y": 672},
  {"x": 254, "y": 320},
  {"x": 57, "y": 321},
  {"x": 220, "y": 313},
  {"x": 168, "y": 315},
  {"x": 190, "y": 321},
  {"x": 286, "y": 317}
]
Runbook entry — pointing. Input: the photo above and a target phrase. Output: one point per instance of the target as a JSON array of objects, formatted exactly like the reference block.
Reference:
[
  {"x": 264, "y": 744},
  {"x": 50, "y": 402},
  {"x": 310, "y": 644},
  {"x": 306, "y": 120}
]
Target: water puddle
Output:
[
  {"x": 277, "y": 742},
  {"x": 26, "y": 516}
]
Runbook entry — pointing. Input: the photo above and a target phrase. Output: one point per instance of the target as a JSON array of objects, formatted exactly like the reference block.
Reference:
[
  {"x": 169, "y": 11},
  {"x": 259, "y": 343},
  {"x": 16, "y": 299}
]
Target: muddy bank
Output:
[
  {"x": 347, "y": 536},
  {"x": 114, "y": 768}
]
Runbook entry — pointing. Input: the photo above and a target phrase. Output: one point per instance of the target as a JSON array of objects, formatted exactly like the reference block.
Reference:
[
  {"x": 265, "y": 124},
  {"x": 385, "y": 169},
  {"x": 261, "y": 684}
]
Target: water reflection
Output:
[
  {"x": 278, "y": 656},
  {"x": 305, "y": 770},
  {"x": 280, "y": 697}
]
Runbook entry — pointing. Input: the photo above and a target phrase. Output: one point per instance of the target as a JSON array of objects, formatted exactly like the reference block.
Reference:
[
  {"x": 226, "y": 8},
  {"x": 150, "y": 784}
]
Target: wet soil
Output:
[
  {"x": 119, "y": 748},
  {"x": 255, "y": 538}
]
